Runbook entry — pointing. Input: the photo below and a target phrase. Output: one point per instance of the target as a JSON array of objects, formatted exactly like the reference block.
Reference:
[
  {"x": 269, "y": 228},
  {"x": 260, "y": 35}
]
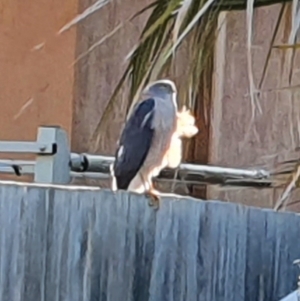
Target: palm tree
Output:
[{"x": 170, "y": 24}]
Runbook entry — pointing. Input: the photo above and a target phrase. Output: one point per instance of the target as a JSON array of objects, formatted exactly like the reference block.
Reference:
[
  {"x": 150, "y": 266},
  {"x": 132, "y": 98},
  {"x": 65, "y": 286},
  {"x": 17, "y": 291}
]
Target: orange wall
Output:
[
  {"x": 38, "y": 76},
  {"x": 36, "y": 83}
]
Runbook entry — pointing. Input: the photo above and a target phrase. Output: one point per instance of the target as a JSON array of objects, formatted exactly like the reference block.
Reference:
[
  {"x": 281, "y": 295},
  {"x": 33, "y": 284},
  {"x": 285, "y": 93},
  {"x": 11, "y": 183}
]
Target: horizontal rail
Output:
[
  {"x": 190, "y": 173},
  {"x": 55, "y": 163},
  {"x": 27, "y": 147},
  {"x": 96, "y": 166}
]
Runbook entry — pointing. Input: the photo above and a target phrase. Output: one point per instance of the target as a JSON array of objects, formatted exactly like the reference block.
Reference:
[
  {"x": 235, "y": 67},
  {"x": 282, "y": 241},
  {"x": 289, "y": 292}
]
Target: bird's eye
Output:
[{"x": 165, "y": 86}]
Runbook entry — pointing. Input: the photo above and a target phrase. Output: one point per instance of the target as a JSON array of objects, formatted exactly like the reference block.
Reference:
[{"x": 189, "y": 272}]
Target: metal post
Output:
[{"x": 53, "y": 168}]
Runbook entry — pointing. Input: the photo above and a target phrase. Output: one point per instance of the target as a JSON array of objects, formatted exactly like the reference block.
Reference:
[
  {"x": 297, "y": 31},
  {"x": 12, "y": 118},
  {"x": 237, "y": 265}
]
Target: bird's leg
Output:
[
  {"x": 153, "y": 196},
  {"x": 150, "y": 192}
]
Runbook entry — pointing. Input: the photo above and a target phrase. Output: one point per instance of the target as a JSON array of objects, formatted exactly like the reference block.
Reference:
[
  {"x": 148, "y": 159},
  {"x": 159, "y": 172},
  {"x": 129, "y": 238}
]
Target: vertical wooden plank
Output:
[
  {"x": 36, "y": 209},
  {"x": 12, "y": 245},
  {"x": 23, "y": 223}
]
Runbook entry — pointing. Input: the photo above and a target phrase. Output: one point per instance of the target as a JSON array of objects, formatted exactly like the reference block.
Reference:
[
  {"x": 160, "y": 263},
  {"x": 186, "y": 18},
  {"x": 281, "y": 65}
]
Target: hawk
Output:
[{"x": 149, "y": 138}]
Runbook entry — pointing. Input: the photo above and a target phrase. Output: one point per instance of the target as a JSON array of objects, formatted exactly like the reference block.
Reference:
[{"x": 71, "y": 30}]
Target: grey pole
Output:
[{"x": 53, "y": 168}]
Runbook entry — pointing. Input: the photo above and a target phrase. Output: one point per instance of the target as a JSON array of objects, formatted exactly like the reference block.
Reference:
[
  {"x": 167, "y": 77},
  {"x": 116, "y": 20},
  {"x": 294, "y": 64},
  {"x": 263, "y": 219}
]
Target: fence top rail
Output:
[{"x": 111, "y": 194}]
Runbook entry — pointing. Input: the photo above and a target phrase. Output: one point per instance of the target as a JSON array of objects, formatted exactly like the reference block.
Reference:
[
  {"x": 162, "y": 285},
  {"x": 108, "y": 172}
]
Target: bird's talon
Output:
[{"x": 153, "y": 200}]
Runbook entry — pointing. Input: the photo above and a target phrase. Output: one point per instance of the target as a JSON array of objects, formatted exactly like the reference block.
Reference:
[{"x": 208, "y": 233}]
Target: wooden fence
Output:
[{"x": 73, "y": 244}]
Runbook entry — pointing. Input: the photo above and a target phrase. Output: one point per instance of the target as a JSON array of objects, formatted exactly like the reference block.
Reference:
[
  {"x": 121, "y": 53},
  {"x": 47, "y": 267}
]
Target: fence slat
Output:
[{"x": 86, "y": 244}]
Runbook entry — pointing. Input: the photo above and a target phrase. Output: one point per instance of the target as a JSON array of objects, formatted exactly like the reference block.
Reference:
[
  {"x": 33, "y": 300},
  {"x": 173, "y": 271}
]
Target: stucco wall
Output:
[
  {"x": 236, "y": 140},
  {"x": 35, "y": 66},
  {"x": 36, "y": 80}
]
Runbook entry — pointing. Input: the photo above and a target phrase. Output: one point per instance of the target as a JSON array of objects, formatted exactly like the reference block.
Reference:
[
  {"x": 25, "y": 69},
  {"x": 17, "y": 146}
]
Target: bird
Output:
[{"x": 145, "y": 140}]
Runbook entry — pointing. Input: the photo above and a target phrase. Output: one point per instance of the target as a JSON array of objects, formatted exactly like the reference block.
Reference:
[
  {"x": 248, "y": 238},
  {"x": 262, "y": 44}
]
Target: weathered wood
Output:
[{"x": 61, "y": 243}]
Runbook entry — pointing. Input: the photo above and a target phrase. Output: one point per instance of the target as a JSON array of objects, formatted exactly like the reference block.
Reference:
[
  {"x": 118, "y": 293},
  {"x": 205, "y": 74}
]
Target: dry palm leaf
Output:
[{"x": 170, "y": 22}]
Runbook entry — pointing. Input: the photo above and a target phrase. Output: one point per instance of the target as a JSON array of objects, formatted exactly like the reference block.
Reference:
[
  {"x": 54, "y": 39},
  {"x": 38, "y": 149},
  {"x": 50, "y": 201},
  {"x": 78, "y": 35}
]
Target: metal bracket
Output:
[{"x": 53, "y": 167}]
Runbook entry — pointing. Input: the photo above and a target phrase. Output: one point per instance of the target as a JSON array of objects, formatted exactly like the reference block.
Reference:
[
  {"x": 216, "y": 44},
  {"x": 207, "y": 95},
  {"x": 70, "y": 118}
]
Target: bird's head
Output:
[
  {"x": 164, "y": 89},
  {"x": 161, "y": 87}
]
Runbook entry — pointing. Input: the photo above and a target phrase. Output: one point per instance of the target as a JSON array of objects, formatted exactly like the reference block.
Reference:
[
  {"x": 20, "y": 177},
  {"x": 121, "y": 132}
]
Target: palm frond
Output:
[
  {"x": 173, "y": 22},
  {"x": 170, "y": 23}
]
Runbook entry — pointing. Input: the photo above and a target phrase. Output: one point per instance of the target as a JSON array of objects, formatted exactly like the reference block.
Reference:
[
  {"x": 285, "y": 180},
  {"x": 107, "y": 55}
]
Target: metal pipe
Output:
[
  {"x": 97, "y": 166},
  {"x": 91, "y": 163},
  {"x": 95, "y": 163}
]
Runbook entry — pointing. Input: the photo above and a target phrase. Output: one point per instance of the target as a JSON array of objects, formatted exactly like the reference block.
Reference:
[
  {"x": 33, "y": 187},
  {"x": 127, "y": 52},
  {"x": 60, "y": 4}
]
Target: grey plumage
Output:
[{"x": 146, "y": 138}]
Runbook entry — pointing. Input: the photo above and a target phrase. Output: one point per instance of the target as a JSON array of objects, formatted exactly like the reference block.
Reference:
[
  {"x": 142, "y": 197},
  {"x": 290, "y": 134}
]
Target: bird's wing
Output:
[{"x": 134, "y": 143}]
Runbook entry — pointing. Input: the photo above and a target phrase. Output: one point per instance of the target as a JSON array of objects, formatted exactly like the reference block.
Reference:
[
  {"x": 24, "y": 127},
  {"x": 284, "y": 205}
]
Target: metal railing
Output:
[{"x": 56, "y": 164}]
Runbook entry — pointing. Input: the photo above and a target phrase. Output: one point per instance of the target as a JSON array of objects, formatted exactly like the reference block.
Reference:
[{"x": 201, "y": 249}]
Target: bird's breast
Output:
[{"x": 164, "y": 124}]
